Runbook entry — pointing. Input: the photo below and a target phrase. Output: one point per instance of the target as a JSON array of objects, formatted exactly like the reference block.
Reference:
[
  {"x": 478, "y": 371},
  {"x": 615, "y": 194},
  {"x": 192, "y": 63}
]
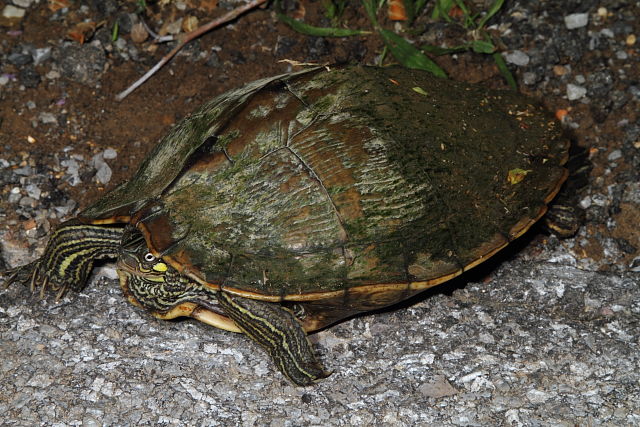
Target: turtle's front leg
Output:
[
  {"x": 69, "y": 256},
  {"x": 277, "y": 331}
]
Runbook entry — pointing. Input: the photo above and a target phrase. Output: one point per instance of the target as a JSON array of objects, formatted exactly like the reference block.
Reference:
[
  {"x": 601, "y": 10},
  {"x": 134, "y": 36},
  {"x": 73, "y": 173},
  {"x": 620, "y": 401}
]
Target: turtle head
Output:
[
  {"x": 138, "y": 260},
  {"x": 147, "y": 280}
]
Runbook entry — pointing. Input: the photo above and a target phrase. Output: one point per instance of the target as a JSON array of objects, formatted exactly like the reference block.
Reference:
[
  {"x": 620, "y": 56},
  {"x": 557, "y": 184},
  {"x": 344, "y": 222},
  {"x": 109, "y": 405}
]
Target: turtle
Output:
[{"x": 294, "y": 202}]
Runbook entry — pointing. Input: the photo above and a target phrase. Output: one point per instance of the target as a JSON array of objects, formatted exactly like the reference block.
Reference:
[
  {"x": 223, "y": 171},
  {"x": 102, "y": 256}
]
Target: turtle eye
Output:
[{"x": 149, "y": 257}]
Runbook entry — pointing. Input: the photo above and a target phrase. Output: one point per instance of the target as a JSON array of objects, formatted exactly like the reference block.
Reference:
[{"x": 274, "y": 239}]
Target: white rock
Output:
[
  {"x": 576, "y": 20},
  {"x": 517, "y": 57},
  {"x": 575, "y": 92},
  {"x": 23, "y": 3},
  {"x": 109, "y": 154},
  {"x": 12, "y": 12}
]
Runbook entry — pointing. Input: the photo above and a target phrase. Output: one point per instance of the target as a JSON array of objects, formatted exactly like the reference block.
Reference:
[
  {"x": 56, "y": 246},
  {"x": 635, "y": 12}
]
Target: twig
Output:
[{"x": 230, "y": 16}]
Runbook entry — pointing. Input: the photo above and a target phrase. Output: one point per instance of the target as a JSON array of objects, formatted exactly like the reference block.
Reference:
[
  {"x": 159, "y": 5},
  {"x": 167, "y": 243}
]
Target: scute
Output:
[{"x": 359, "y": 180}]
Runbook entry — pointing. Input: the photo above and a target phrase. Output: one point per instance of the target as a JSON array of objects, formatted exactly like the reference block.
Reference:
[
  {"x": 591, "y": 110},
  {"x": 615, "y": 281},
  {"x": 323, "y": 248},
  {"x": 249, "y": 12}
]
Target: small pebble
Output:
[
  {"x": 23, "y": 3},
  {"x": 529, "y": 78},
  {"x": 614, "y": 155},
  {"x": 4, "y": 79},
  {"x": 631, "y": 40},
  {"x": 575, "y": 92},
  {"x": 517, "y": 57},
  {"x": 23, "y": 171},
  {"x": 12, "y": 12},
  {"x": 576, "y": 20},
  {"x": 34, "y": 191},
  {"x": 607, "y": 33},
  {"x": 560, "y": 70},
  {"x": 109, "y": 154},
  {"x": 103, "y": 174},
  {"x": 585, "y": 203},
  {"x": 47, "y": 118},
  {"x": 41, "y": 55}
]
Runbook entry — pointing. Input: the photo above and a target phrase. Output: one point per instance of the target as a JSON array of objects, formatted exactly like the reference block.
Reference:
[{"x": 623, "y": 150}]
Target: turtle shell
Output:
[{"x": 356, "y": 186}]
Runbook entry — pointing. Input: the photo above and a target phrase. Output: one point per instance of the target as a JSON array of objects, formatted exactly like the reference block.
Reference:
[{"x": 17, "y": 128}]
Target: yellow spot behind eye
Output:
[{"x": 161, "y": 267}]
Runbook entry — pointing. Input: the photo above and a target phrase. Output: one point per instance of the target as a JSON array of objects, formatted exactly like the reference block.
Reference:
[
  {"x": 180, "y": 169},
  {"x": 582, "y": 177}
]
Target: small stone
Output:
[
  {"x": 27, "y": 202},
  {"x": 517, "y": 57},
  {"x": 139, "y": 33},
  {"x": 575, "y": 92},
  {"x": 12, "y": 12},
  {"x": 529, "y": 78},
  {"x": 599, "y": 199},
  {"x": 84, "y": 64},
  {"x": 29, "y": 77},
  {"x": 23, "y": 171},
  {"x": 47, "y": 118},
  {"x": 559, "y": 70},
  {"x": 40, "y": 55},
  {"x": 14, "y": 197},
  {"x": 19, "y": 59},
  {"x": 622, "y": 55},
  {"x": 437, "y": 389},
  {"x": 121, "y": 44},
  {"x": 614, "y": 155},
  {"x": 174, "y": 28},
  {"x": 52, "y": 75},
  {"x": 4, "y": 79},
  {"x": 576, "y": 20},
  {"x": 538, "y": 396},
  {"x": 34, "y": 191},
  {"x": 23, "y": 3},
  {"x": 585, "y": 203},
  {"x": 109, "y": 154},
  {"x": 631, "y": 40},
  {"x": 607, "y": 33},
  {"x": 103, "y": 175}
]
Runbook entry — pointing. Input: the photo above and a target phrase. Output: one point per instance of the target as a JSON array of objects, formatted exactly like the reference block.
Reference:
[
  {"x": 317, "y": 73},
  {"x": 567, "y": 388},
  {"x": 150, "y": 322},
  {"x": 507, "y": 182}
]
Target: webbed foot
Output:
[
  {"x": 278, "y": 331},
  {"x": 68, "y": 258}
]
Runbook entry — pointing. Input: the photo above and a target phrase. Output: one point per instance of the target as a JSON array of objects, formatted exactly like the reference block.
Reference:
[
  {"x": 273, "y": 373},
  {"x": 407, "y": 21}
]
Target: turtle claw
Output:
[{"x": 30, "y": 275}]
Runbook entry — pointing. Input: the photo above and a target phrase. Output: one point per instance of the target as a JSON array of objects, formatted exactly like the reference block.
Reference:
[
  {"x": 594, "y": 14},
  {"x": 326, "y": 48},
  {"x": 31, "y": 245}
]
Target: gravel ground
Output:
[{"x": 546, "y": 335}]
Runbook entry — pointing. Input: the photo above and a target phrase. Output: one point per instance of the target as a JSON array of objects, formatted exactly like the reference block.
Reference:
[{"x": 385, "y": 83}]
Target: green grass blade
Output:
[
  {"x": 408, "y": 55},
  {"x": 311, "y": 30},
  {"x": 502, "y": 66},
  {"x": 495, "y": 7},
  {"x": 482, "y": 46},
  {"x": 436, "y": 50},
  {"x": 441, "y": 10},
  {"x": 371, "y": 8}
]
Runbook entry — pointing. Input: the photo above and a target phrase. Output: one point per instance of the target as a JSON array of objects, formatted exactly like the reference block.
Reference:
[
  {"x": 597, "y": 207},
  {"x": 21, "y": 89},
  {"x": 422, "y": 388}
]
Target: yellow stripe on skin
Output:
[{"x": 277, "y": 340}]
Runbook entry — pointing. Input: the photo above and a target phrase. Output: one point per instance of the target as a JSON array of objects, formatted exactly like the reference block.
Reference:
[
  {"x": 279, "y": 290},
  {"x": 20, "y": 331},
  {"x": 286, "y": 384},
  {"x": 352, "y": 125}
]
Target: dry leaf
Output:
[
  {"x": 55, "y": 5},
  {"x": 82, "y": 31}
]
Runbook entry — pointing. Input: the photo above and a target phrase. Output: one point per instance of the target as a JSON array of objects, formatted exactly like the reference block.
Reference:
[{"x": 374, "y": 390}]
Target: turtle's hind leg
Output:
[
  {"x": 277, "y": 331},
  {"x": 69, "y": 257}
]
